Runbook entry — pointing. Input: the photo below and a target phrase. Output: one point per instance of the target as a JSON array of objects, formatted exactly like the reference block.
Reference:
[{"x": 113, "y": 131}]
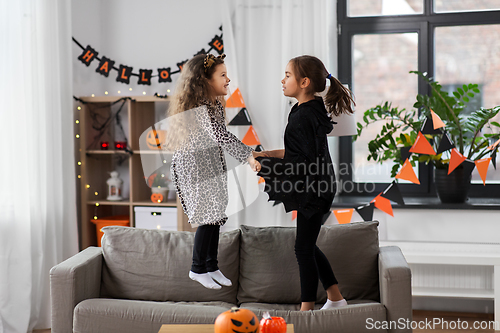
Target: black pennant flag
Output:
[
  {"x": 242, "y": 118},
  {"x": 202, "y": 51},
  {"x": 105, "y": 66},
  {"x": 405, "y": 153},
  {"x": 88, "y": 55},
  {"x": 392, "y": 193},
  {"x": 259, "y": 148},
  {"x": 325, "y": 217},
  {"x": 468, "y": 168},
  {"x": 494, "y": 158},
  {"x": 428, "y": 127},
  {"x": 277, "y": 202},
  {"x": 164, "y": 75},
  {"x": 366, "y": 211},
  {"x": 124, "y": 73},
  {"x": 445, "y": 144},
  {"x": 145, "y": 76}
]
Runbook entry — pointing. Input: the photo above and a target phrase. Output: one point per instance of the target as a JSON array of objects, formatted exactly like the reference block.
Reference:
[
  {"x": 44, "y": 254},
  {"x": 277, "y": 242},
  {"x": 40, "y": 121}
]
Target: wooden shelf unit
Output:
[{"x": 137, "y": 116}]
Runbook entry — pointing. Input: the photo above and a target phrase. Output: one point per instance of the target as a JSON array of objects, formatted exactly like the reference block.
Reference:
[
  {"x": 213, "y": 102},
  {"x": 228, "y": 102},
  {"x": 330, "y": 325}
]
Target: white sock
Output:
[
  {"x": 204, "y": 279},
  {"x": 219, "y": 277},
  {"x": 333, "y": 304}
]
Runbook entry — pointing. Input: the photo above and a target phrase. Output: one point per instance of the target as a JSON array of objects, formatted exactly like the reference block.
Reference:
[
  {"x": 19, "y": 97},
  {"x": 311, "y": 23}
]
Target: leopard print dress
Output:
[{"x": 198, "y": 168}]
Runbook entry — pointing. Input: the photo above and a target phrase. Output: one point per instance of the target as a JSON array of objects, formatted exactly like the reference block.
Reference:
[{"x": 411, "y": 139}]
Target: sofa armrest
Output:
[
  {"x": 395, "y": 287},
  {"x": 72, "y": 281}
]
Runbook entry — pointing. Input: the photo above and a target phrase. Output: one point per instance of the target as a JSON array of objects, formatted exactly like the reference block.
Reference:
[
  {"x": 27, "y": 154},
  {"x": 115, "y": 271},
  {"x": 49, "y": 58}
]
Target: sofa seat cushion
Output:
[
  {"x": 153, "y": 265},
  {"x": 124, "y": 316},
  {"x": 357, "y": 316},
  {"x": 269, "y": 272}
]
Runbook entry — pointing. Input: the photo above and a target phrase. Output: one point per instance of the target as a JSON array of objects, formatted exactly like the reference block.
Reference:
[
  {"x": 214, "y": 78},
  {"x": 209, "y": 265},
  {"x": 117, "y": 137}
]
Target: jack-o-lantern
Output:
[
  {"x": 155, "y": 138},
  {"x": 237, "y": 320},
  {"x": 270, "y": 324},
  {"x": 156, "y": 197}
]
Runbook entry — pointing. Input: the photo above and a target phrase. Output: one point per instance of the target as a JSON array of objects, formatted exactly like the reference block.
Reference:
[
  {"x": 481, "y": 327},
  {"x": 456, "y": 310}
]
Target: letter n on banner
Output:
[
  {"x": 124, "y": 73},
  {"x": 105, "y": 66},
  {"x": 88, "y": 55}
]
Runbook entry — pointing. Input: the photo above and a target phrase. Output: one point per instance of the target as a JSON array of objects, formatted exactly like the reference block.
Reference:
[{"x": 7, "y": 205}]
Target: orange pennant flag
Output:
[
  {"x": 383, "y": 204},
  {"x": 455, "y": 160},
  {"x": 482, "y": 168},
  {"x": 251, "y": 138},
  {"x": 261, "y": 180},
  {"x": 294, "y": 214},
  {"x": 436, "y": 121},
  {"x": 494, "y": 145},
  {"x": 235, "y": 100},
  {"x": 343, "y": 215},
  {"x": 407, "y": 173},
  {"x": 422, "y": 146}
]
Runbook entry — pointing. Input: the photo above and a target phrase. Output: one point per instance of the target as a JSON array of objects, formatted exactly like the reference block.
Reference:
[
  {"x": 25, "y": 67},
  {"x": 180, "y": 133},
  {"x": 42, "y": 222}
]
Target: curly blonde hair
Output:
[{"x": 192, "y": 87}]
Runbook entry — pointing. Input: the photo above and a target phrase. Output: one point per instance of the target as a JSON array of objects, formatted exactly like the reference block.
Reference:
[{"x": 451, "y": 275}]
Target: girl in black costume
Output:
[{"x": 301, "y": 176}]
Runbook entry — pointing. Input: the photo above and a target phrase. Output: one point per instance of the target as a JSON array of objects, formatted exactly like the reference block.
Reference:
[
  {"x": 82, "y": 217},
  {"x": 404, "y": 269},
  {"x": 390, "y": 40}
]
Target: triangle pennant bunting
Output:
[
  {"x": 343, "y": 215},
  {"x": 422, "y": 146},
  {"x": 407, "y": 173},
  {"x": 366, "y": 211},
  {"x": 325, "y": 217},
  {"x": 383, "y": 204},
  {"x": 494, "y": 145},
  {"x": 428, "y": 127},
  {"x": 436, "y": 121},
  {"x": 445, "y": 144},
  {"x": 259, "y": 148},
  {"x": 294, "y": 214},
  {"x": 455, "y": 160},
  {"x": 235, "y": 100},
  {"x": 494, "y": 158},
  {"x": 261, "y": 180},
  {"x": 392, "y": 193},
  {"x": 242, "y": 118},
  {"x": 482, "y": 168},
  {"x": 251, "y": 138},
  {"x": 468, "y": 166}
]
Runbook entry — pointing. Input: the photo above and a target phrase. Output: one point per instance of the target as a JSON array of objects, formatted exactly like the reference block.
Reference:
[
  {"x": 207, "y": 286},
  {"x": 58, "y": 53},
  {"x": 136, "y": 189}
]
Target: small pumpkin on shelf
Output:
[{"x": 236, "y": 320}]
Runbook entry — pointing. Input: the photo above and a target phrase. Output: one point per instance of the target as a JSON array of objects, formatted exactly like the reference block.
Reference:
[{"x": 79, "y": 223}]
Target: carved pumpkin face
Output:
[
  {"x": 155, "y": 138},
  {"x": 156, "y": 197},
  {"x": 270, "y": 324},
  {"x": 237, "y": 320}
]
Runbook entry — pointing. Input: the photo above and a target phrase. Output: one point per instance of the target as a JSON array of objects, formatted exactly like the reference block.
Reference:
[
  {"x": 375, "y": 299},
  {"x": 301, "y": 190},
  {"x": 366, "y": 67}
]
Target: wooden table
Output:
[{"x": 199, "y": 328}]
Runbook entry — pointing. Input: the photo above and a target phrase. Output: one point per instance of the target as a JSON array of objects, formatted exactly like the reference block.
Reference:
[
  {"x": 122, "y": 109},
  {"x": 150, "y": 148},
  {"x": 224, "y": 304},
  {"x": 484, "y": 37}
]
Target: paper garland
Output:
[{"x": 145, "y": 75}]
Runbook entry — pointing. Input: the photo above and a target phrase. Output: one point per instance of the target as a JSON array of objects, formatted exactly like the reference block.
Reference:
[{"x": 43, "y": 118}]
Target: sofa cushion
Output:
[
  {"x": 125, "y": 316},
  {"x": 356, "y": 317},
  {"x": 153, "y": 265},
  {"x": 269, "y": 272}
]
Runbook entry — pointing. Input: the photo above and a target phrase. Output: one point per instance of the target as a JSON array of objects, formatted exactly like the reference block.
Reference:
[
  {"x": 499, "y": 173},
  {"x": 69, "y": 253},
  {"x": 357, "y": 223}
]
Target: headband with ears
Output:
[{"x": 210, "y": 60}]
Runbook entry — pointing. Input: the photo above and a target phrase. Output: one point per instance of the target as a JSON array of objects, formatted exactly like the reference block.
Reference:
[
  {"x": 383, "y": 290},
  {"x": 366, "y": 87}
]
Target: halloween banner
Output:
[{"x": 144, "y": 76}]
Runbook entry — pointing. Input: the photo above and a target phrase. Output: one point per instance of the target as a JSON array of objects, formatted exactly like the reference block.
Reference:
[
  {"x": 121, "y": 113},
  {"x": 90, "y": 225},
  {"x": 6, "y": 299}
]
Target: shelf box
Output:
[{"x": 161, "y": 218}]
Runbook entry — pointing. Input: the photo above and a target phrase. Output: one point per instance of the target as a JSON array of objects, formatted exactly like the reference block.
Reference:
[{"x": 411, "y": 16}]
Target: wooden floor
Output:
[{"x": 423, "y": 317}]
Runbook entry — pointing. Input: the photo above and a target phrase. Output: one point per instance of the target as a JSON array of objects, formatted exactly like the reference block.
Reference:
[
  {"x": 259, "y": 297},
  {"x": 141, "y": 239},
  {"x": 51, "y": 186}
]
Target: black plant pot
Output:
[{"x": 452, "y": 188}]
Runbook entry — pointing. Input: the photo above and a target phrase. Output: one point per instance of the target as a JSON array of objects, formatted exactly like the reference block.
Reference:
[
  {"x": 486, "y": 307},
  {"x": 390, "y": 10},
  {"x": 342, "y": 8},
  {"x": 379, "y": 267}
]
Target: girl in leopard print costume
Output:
[{"x": 198, "y": 166}]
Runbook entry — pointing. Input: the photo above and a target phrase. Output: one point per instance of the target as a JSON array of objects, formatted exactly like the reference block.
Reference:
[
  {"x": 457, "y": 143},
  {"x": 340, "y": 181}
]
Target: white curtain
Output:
[
  {"x": 264, "y": 35},
  {"x": 38, "y": 226}
]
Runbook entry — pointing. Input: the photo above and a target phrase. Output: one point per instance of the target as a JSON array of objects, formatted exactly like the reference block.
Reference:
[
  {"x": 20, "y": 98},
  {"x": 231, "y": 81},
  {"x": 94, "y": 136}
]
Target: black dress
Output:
[{"x": 304, "y": 179}]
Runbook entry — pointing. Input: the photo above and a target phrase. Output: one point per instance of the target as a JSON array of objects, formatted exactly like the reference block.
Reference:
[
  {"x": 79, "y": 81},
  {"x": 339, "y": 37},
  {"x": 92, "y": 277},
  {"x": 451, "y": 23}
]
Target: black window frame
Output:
[{"x": 424, "y": 24}]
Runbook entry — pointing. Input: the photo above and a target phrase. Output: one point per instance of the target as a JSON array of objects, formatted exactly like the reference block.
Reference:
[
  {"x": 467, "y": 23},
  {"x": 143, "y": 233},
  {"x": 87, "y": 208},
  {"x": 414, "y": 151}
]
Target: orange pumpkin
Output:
[
  {"x": 270, "y": 324},
  {"x": 155, "y": 138},
  {"x": 156, "y": 197},
  {"x": 236, "y": 320}
]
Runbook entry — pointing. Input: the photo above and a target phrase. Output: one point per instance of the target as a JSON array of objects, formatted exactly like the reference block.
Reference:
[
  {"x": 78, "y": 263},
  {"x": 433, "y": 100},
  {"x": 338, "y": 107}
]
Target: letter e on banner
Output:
[
  {"x": 88, "y": 55},
  {"x": 217, "y": 44}
]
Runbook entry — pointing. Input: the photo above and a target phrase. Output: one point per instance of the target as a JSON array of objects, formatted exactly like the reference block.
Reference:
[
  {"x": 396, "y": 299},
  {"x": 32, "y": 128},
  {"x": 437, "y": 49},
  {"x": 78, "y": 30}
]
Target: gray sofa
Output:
[{"x": 139, "y": 280}]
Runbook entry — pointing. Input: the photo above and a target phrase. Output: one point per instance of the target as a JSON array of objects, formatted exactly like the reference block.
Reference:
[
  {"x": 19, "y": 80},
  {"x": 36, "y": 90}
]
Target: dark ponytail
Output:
[{"x": 338, "y": 99}]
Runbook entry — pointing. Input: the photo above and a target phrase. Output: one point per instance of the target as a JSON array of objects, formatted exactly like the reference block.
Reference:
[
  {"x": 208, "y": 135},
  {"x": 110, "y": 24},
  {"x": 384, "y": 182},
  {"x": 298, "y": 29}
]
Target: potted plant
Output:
[
  {"x": 471, "y": 134},
  {"x": 159, "y": 184}
]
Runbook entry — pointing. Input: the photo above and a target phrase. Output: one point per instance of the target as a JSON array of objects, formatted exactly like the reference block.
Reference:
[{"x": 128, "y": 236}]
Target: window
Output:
[{"x": 380, "y": 41}]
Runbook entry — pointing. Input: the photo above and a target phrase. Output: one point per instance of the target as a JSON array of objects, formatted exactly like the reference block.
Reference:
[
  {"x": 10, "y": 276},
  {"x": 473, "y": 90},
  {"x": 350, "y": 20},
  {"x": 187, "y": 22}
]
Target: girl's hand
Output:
[
  {"x": 279, "y": 153},
  {"x": 254, "y": 164}
]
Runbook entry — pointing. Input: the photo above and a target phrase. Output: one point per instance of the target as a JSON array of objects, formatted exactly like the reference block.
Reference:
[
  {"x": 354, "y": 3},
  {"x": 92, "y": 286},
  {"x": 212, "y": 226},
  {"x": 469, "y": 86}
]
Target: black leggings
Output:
[
  {"x": 312, "y": 262},
  {"x": 206, "y": 244}
]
